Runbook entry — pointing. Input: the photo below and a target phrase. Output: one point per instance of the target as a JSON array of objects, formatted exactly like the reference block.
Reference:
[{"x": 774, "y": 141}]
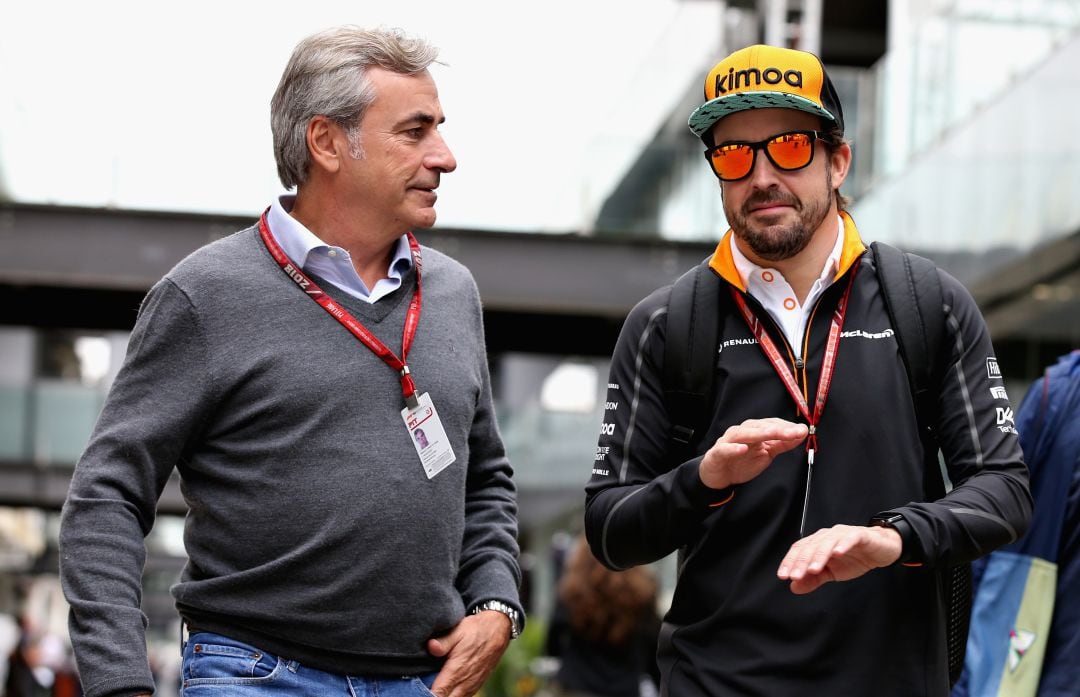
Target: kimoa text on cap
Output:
[{"x": 771, "y": 76}]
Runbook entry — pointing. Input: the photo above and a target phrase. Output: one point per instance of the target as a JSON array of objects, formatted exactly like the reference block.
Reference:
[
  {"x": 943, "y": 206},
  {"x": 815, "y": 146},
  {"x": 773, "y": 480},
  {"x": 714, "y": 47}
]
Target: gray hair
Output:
[{"x": 326, "y": 76}]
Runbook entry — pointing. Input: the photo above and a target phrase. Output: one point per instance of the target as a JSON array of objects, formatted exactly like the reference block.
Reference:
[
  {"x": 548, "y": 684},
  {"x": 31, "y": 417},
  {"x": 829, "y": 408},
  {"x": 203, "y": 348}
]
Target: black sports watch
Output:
[
  {"x": 888, "y": 519},
  {"x": 896, "y": 521}
]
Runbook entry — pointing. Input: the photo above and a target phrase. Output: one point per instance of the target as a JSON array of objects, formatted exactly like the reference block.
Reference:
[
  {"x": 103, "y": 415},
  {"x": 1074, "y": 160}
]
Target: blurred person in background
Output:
[
  {"x": 40, "y": 667},
  {"x": 282, "y": 371},
  {"x": 1025, "y": 628},
  {"x": 9, "y": 640},
  {"x": 603, "y": 629}
]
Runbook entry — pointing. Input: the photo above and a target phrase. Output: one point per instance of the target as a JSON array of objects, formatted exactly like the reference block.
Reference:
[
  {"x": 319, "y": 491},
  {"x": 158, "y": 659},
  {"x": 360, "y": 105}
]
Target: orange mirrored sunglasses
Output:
[{"x": 734, "y": 159}]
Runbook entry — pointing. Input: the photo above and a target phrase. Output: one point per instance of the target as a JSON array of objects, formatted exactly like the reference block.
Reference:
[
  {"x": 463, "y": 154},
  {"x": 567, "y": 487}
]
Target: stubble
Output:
[{"x": 769, "y": 237}]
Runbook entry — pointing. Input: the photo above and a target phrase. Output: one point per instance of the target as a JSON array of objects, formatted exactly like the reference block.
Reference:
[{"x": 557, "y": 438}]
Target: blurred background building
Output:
[{"x": 960, "y": 116}]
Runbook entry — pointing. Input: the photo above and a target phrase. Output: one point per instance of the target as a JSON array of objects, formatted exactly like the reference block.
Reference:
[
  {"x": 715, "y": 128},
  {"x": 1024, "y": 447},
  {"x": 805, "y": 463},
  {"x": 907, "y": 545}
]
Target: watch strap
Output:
[
  {"x": 896, "y": 521},
  {"x": 504, "y": 608}
]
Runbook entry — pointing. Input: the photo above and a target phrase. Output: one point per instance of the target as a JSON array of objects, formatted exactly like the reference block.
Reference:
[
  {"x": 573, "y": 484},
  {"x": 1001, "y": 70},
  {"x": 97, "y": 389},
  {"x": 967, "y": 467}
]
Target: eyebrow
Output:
[{"x": 419, "y": 117}]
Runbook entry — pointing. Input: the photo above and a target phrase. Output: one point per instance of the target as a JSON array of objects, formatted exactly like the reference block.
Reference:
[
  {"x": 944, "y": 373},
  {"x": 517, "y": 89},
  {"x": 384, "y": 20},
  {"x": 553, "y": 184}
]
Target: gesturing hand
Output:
[
  {"x": 839, "y": 553},
  {"x": 745, "y": 450}
]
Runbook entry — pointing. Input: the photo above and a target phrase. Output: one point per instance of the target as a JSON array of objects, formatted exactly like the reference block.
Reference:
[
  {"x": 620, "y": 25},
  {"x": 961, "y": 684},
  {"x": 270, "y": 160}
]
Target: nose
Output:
[
  {"x": 763, "y": 174},
  {"x": 439, "y": 156}
]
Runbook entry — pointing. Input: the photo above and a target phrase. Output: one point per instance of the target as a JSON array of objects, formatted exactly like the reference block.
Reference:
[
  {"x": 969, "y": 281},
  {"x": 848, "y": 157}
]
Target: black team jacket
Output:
[{"x": 733, "y": 628}]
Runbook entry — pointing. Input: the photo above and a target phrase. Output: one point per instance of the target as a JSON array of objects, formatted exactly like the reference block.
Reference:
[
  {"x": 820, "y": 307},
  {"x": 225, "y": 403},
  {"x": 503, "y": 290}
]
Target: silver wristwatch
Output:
[{"x": 500, "y": 606}]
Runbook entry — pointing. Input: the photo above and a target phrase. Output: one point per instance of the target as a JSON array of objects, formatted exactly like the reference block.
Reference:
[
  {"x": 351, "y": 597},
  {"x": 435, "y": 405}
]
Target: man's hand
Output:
[
  {"x": 472, "y": 650},
  {"x": 839, "y": 553},
  {"x": 745, "y": 450}
]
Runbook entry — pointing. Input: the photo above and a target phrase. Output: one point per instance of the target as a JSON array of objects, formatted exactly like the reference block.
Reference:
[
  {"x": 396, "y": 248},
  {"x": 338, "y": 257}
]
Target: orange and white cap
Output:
[{"x": 761, "y": 77}]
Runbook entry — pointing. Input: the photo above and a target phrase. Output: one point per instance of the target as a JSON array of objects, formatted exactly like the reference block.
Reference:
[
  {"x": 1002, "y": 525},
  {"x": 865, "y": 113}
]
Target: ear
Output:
[
  {"x": 327, "y": 143},
  {"x": 840, "y": 164}
]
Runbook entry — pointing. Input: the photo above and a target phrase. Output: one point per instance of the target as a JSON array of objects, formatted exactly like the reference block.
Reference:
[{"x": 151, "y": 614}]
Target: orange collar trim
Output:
[
  {"x": 853, "y": 245},
  {"x": 724, "y": 264}
]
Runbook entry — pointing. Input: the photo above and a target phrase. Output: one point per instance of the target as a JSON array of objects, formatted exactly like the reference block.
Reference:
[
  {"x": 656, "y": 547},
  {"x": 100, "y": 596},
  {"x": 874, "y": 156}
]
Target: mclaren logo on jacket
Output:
[{"x": 859, "y": 333}]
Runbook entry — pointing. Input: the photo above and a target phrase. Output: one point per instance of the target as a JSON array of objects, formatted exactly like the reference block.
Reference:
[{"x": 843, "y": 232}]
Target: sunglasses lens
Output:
[
  {"x": 732, "y": 161},
  {"x": 791, "y": 150}
]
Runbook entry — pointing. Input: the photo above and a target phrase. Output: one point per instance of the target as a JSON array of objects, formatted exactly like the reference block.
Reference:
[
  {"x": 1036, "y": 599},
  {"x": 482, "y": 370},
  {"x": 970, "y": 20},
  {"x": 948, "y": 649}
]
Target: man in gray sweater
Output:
[{"x": 284, "y": 371}]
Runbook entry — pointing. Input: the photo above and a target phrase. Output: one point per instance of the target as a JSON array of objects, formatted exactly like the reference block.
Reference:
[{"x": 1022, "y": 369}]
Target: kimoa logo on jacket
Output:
[{"x": 737, "y": 79}]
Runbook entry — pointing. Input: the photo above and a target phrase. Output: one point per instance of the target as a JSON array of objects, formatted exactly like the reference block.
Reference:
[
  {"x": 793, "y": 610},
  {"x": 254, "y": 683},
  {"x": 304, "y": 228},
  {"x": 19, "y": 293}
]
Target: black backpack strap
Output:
[
  {"x": 913, "y": 297},
  {"x": 692, "y": 328}
]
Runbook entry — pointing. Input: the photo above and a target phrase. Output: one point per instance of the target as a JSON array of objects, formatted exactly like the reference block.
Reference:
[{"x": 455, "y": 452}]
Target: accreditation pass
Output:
[{"x": 428, "y": 437}]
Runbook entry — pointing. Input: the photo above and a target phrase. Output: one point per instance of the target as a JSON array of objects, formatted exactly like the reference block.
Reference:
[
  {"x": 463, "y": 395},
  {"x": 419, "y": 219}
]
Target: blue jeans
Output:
[{"x": 217, "y": 666}]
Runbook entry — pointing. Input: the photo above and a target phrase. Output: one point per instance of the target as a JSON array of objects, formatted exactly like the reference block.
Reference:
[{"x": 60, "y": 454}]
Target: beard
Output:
[{"x": 770, "y": 238}]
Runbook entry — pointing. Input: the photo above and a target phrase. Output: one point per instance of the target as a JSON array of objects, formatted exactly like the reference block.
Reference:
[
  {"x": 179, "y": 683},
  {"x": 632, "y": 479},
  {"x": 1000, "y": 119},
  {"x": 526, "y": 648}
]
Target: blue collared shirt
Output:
[{"x": 332, "y": 264}]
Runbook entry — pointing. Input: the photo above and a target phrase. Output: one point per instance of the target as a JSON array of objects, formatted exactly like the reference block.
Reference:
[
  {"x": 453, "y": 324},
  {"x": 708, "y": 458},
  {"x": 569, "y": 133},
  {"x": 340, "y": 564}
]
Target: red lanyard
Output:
[
  {"x": 408, "y": 388},
  {"x": 828, "y": 363}
]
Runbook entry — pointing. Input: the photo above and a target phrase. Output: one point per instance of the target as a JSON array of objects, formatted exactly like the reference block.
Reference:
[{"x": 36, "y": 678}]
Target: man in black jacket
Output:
[{"x": 812, "y": 468}]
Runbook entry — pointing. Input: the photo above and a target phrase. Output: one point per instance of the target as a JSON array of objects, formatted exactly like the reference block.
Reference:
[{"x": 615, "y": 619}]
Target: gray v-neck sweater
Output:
[{"x": 313, "y": 531}]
